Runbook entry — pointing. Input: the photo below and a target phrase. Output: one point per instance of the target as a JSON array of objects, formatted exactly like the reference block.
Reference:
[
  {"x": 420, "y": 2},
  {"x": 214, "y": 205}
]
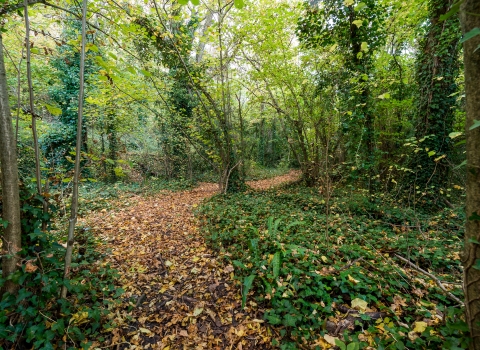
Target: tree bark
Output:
[
  {"x": 36, "y": 147},
  {"x": 11, "y": 240},
  {"x": 469, "y": 15}
]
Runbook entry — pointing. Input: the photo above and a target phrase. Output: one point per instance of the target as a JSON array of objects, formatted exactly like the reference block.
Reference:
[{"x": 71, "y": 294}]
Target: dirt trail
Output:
[{"x": 182, "y": 296}]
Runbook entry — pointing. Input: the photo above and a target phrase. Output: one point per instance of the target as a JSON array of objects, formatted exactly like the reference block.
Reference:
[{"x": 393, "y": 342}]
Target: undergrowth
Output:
[
  {"x": 36, "y": 317},
  {"x": 304, "y": 266}
]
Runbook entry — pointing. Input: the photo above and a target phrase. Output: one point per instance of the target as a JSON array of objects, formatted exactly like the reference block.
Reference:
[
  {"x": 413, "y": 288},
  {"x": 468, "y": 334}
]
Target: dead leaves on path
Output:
[
  {"x": 265, "y": 184},
  {"x": 177, "y": 294}
]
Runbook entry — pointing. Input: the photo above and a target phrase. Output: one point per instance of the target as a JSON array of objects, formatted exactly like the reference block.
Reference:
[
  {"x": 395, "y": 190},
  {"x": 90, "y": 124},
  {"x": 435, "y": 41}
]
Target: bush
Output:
[
  {"x": 35, "y": 316},
  {"x": 303, "y": 265}
]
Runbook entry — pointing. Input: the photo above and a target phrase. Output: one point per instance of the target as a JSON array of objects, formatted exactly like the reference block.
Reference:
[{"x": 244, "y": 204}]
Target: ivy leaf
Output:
[
  {"x": 477, "y": 265},
  {"x": 476, "y": 124},
  {"x": 195, "y": 2},
  {"x": 183, "y": 2},
  {"x": 473, "y": 33},
  {"x": 340, "y": 344},
  {"x": 353, "y": 346},
  {"x": 290, "y": 321}
]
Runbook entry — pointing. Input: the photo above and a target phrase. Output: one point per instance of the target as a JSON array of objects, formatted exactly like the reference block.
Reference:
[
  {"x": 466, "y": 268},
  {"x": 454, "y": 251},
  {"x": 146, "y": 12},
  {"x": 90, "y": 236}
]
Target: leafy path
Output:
[{"x": 178, "y": 295}]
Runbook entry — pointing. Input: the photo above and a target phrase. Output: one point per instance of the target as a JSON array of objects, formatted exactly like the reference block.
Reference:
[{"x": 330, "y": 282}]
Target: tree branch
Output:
[{"x": 437, "y": 281}]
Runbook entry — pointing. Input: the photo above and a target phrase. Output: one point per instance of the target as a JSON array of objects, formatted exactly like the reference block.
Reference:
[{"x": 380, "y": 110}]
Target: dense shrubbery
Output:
[
  {"x": 301, "y": 271},
  {"x": 36, "y": 316}
]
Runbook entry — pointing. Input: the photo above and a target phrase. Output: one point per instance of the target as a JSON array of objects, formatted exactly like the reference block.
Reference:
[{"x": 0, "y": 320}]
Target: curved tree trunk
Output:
[
  {"x": 11, "y": 242},
  {"x": 470, "y": 17}
]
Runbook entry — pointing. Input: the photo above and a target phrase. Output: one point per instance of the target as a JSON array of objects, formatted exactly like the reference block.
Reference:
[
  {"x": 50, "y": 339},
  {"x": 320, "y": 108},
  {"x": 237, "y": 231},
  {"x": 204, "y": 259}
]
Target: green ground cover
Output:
[{"x": 303, "y": 268}]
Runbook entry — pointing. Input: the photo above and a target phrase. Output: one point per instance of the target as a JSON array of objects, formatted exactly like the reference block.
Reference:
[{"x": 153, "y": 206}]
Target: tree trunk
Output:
[
  {"x": 76, "y": 175},
  {"x": 470, "y": 19},
  {"x": 436, "y": 72},
  {"x": 10, "y": 192}
]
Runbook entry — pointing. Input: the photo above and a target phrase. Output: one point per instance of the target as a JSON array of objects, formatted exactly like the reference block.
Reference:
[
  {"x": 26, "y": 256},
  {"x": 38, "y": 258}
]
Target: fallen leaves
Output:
[
  {"x": 30, "y": 268},
  {"x": 419, "y": 326},
  {"x": 359, "y": 304},
  {"x": 177, "y": 294}
]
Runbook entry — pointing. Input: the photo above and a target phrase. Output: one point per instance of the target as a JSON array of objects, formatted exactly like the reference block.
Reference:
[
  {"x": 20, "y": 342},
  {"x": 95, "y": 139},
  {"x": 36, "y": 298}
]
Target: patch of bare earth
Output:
[{"x": 178, "y": 295}]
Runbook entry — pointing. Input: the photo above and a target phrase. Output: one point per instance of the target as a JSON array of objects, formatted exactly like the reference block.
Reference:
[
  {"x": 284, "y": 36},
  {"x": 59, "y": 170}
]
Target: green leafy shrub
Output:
[
  {"x": 36, "y": 316},
  {"x": 303, "y": 263}
]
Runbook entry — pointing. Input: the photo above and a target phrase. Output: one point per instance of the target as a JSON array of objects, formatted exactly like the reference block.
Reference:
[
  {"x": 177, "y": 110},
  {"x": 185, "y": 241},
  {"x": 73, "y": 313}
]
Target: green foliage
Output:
[
  {"x": 61, "y": 138},
  {"x": 355, "y": 30},
  {"x": 302, "y": 262},
  {"x": 35, "y": 316},
  {"x": 437, "y": 69}
]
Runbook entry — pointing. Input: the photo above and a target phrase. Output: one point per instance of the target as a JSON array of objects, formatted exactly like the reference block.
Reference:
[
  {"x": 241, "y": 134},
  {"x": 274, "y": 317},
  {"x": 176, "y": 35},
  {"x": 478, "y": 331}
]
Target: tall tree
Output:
[
  {"x": 436, "y": 71},
  {"x": 470, "y": 17},
  {"x": 11, "y": 240},
  {"x": 355, "y": 29}
]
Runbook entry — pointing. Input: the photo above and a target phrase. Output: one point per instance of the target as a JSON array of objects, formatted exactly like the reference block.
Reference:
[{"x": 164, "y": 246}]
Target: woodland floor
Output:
[{"x": 178, "y": 294}]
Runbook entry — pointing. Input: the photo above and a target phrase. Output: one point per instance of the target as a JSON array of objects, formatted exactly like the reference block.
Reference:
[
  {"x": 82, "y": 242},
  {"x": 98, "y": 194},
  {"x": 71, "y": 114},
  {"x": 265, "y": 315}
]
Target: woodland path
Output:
[{"x": 178, "y": 294}]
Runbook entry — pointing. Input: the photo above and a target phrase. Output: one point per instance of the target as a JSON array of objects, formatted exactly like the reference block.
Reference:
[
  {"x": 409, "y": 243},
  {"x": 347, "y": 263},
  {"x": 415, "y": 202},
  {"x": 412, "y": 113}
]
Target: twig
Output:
[
  {"x": 140, "y": 300},
  {"x": 439, "y": 283},
  {"x": 349, "y": 264}
]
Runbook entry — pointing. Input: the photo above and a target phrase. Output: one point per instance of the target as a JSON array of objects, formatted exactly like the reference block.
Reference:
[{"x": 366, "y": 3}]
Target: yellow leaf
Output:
[
  {"x": 324, "y": 258},
  {"x": 330, "y": 339},
  {"x": 420, "y": 326},
  {"x": 79, "y": 317},
  {"x": 353, "y": 280},
  {"x": 359, "y": 304},
  {"x": 358, "y": 23},
  {"x": 348, "y": 3},
  {"x": 144, "y": 330}
]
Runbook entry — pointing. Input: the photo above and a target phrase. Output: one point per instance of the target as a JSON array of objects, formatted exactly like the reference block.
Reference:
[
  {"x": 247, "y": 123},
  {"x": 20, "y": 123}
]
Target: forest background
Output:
[{"x": 367, "y": 99}]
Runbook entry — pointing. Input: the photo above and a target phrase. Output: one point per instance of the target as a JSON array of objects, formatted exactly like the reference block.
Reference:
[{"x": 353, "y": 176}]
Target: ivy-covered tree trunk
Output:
[
  {"x": 11, "y": 237},
  {"x": 436, "y": 71},
  {"x": 470, "y": 16}
]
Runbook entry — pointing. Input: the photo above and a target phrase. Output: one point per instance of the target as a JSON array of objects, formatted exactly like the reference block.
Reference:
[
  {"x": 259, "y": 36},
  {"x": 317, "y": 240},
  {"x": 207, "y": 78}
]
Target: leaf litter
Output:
[{"x": 178, "y": 294}]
